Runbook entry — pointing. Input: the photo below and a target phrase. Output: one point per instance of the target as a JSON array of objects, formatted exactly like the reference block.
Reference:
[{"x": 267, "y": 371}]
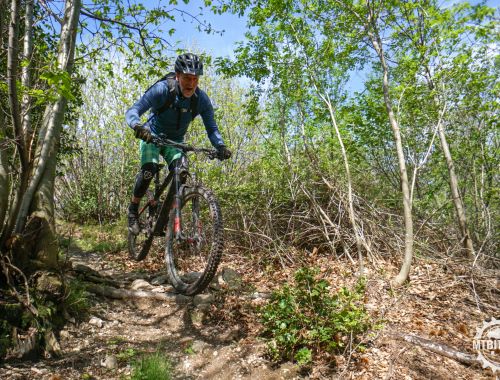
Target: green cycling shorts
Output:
[{"x": 151, "y": 153}]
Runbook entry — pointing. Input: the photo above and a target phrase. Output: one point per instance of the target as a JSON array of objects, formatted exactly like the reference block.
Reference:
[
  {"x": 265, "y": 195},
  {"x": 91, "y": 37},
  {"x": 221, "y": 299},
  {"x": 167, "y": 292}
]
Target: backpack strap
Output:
[
  {"x": 172, "y": 92},
  {"x": 194, "y": 103}
]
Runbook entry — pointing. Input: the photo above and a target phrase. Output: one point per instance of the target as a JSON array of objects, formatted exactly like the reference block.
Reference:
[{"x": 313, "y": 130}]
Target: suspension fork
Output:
[{"x": 179, "y": 185}]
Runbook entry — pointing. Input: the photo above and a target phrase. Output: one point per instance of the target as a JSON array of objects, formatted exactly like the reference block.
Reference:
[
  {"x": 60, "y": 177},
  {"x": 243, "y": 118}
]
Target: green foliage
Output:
[
  {"x": 108, "y": 238},
  {"x": 97, "y": 173},
  {"x": 151, "y": 367},
  {"x": 189, "y": 350},
  {"x": 443, "y": 69},
  {"x": 116, "y": 340},
  {"x": 76, "y": 299},
  {"x": 59, "y": 83},
  {"x": 127, "y": 354},
  {"x": 306, "y": 319},
  {"x": 303, "y": 356}
]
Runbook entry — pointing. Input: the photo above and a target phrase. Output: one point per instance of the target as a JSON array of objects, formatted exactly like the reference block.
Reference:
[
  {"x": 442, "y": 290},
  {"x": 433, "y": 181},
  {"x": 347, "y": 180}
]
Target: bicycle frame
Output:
[
  {"x": 184, "y": 197},
  {"x": 175, "y": 182}
]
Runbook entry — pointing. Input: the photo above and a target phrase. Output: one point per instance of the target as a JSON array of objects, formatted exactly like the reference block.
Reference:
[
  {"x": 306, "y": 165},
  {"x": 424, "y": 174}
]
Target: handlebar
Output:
[{"x": 162, "y": 141}]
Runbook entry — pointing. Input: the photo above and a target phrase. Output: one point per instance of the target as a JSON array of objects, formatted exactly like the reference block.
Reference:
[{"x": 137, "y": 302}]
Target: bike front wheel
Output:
[{"x": 194, "y": 241}]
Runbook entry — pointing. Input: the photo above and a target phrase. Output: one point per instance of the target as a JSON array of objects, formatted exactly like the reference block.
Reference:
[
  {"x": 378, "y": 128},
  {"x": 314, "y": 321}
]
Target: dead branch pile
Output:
[{"x": 315, "y": 218}]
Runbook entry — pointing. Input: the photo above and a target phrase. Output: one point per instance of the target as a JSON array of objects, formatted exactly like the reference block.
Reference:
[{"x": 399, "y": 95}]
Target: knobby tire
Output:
[{"x": 192, "y": 267}]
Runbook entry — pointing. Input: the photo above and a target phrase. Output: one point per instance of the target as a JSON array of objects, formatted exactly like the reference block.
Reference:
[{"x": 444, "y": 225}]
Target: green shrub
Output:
[
  {"x": 127, "y": 354},
  {"x": 106, "y": 238},
  {"x": 303, "y": 320},
  {"x": 152, "y": 367},
  {"x": 76, "y": 299}
]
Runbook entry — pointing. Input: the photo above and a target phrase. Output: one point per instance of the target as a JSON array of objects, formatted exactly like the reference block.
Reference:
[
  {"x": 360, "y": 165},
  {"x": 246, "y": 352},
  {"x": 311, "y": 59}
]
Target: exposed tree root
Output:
[
  {"x": 111, "y": 292},
  {"x": 94, "y": 276},
  {"x": 437, "y": 348}
]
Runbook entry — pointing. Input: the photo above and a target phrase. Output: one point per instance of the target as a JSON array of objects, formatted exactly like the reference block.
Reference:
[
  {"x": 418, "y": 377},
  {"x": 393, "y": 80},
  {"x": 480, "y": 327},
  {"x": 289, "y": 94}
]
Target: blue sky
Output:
[
  {"x": 219, "y": 45},
  {"x": 233, "y": 25},
  {"x": 187, "y": 35}
]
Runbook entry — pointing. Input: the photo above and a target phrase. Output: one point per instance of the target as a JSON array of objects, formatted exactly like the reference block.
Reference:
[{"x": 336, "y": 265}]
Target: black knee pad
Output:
[{"x": 143, "y": 178}]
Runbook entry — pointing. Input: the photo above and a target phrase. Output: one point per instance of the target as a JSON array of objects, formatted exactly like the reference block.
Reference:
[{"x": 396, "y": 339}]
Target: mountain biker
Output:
[{"x": 172, "y": 123}]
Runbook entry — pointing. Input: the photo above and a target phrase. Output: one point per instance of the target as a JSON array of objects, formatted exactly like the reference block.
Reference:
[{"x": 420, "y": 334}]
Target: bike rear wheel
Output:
[
  {"x": 140, "y": 244},
  {"x": 192, "y": 259}
]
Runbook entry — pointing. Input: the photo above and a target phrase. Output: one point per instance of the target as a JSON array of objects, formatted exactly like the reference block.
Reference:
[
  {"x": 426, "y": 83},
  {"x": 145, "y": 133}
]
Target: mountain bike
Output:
[{"x": 187, "y": 216}]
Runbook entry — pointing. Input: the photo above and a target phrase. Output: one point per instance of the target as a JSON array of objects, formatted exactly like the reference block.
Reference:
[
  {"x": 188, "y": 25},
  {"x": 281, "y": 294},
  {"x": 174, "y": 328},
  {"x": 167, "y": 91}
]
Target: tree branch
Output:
[{"x": 437, "y": 348}]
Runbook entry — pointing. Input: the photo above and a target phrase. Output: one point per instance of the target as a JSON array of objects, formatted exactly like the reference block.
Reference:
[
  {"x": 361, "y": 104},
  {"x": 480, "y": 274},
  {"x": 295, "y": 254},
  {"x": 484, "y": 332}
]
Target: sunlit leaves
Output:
[{"x": 59, "y": 83}]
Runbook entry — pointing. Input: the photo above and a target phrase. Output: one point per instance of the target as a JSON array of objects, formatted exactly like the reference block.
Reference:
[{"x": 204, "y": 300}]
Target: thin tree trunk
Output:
[
  {"x": 457, "y": 200},
  {"x": 407, "y": 203},
  {"x": 12, "y": 68},
  {"x": 12, "y": 73},
  {"x": 26, "y": 76},
  {"x": 42, "y": 183},
  {"x": 4, "y": 171},
  {"x": 352, "y": 214},
  {"x": 282, "y": 124},
  {"x": 453, "y": 179},
  {"x": 4, "y": 144}
]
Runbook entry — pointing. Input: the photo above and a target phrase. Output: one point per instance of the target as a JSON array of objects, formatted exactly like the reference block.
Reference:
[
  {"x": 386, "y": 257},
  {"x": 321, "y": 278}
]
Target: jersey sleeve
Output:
[
  {"x": 153, "y": 99},
  {"x": 207, "y": 114}
]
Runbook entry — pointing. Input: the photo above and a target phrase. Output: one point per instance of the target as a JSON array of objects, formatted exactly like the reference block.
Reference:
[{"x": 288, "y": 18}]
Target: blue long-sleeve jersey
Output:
[{"x": 168, "y": 122}]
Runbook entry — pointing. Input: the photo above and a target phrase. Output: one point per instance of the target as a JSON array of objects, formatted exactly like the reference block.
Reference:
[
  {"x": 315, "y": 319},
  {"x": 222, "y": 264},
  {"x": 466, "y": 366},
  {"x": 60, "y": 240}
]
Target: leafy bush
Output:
[
  {"x": 152, "y": 367},
  {"x": 76, "y": 299},
  {"x": 106, "y": 238},
  {"x": 306, "y": 319}
]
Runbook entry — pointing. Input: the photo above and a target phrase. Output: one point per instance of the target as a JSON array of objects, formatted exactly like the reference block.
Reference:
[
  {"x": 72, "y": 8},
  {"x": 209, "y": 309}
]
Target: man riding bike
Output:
[{"x": 174, "y": 104}]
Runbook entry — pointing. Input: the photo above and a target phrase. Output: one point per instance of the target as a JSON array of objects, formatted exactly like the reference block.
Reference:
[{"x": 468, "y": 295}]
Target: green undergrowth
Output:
[
  {"x": 77, "y": 299},
  {"x": 105, "y": 238},
  {"x": 152, "y": 367},
  {"x": 12, "y": 315},
  {"x": 55, "y": 302},
  {"x": 306, "y": 320}
]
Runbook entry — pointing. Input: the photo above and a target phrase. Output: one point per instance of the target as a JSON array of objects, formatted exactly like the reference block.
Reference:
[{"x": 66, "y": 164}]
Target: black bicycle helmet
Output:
[{"x": 189, "y": 63}]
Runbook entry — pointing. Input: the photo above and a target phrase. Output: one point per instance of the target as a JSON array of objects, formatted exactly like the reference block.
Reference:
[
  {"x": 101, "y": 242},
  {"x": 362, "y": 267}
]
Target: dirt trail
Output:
[
  {"x": 216, "y": 336},
  {"x": 118, "y": 331}
]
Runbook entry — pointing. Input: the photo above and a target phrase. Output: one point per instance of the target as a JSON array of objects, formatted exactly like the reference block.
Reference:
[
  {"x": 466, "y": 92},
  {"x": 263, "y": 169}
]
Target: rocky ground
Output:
[{"x": 216, "y": 335}]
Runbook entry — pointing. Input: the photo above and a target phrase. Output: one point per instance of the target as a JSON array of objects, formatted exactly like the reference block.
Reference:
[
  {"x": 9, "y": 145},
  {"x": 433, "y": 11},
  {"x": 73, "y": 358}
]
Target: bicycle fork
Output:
[
  {"x": 179, "y": 183},
  {"x": 192, "y": 237}
]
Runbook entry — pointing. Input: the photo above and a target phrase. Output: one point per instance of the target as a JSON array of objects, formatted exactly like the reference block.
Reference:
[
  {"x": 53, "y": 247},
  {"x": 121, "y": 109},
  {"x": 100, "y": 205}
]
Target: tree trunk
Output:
[
  {"x": 39, "y": 198},
  {"x": 453, "y": 179},
  {"x": 4, "y": 171},
  {"x": 44, "y": 249},
  {"x": 352, "y": 214},
  {"x": 26, "y": 77},
  {"x": 437, "y": 348},
  {"x": 4, "y": 144},
  {"x": 12, "y": 68},
  {"x": 12, "y": 74},
  {"x": 457, "y": 200},
  {"x": 407, "y": 203}
]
